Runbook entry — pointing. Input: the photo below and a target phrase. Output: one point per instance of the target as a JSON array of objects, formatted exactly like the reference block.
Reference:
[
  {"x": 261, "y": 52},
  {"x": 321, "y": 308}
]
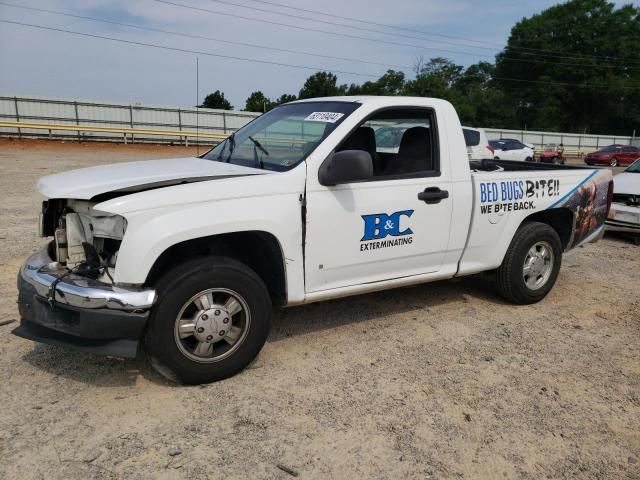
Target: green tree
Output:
[
  {"x": 490, "y": 107},
  {"x": 591, "y": 77},
  {"x": 320, "y": 84},
  {"x": 390, "y": 84},
  {"x": 438, "y": 78},
  {"x": 258, "y": 102},
  {"x": 216, "y": 100},
  {"x": 285, "y": 98},
  {"x": 434, "y": 78}
]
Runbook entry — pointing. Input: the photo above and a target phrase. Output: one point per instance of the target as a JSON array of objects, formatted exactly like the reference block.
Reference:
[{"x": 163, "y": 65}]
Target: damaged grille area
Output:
[{"x": 86, "y": 240}]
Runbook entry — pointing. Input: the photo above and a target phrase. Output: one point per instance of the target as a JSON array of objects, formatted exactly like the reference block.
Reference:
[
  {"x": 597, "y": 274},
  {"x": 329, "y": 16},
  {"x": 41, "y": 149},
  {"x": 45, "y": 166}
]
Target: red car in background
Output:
[{"x": 613, "y": 155}]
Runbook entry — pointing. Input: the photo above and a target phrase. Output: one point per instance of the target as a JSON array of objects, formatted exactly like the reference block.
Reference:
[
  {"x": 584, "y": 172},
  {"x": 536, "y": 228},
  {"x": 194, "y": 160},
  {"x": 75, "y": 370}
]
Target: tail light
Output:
[
  {"x": 609, "y": 197},
  {"x": 491, "y": 149}
]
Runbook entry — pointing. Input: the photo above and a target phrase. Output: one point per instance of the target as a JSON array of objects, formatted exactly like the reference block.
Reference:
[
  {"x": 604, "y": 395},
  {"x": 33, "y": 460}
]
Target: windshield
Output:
[
  {"x": 634, "y": 167},
  {"x": 283, "y": 137}
]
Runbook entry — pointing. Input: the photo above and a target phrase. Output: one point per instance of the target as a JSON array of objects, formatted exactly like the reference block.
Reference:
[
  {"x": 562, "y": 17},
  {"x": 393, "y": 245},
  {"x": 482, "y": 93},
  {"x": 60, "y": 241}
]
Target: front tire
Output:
[
  {"x": 211, "y": 320},
  {"x": 532, "y": 264},
  {"x": 613, "y": 162}
]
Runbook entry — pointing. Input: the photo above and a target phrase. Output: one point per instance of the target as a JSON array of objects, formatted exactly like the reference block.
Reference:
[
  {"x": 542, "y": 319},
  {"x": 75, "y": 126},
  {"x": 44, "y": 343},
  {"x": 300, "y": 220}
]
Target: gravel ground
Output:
[{"x": 442, "y": 380}]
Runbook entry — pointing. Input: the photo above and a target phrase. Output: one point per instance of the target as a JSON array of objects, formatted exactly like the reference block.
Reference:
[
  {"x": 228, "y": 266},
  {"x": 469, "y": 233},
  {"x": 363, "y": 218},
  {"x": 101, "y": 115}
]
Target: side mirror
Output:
[{"x": 345, "y": 167}]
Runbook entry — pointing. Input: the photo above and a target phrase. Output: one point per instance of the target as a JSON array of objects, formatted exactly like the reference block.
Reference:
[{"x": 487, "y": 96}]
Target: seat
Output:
[
  {"x": 363, "y": 138},
  {"x": 414, "y": 153}
]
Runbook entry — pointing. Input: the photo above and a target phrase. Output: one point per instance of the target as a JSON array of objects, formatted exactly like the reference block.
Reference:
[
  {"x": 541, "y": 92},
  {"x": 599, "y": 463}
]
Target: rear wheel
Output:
[
  {"x": 613, "y": 162},
  {"x": 532, "y": 263},
  {"x": 212, "y": 318}
]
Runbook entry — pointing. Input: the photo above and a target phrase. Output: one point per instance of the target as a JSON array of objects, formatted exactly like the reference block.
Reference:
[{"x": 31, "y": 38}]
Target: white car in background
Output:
[
  {"x": 511, "y": 149},
  {"x": 624, "y": 215},
  {"x": 478, "y": 147}
]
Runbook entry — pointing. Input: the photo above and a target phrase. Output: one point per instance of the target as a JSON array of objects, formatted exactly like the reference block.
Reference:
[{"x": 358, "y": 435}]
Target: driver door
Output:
[{"x": 379, "y": 229}]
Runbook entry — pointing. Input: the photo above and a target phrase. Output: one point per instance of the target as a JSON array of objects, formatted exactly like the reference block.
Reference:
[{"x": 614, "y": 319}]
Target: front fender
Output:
[
  {"x": 159, "y": 219},
  {"x": 150, "y": 234}
]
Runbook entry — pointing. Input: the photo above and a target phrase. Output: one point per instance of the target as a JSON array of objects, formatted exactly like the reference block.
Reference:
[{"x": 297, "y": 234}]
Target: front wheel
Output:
[
  {"x": 531, "y": 266},
  {"x": 613, "y": 162},
  {"x": 211, "y": 320}
]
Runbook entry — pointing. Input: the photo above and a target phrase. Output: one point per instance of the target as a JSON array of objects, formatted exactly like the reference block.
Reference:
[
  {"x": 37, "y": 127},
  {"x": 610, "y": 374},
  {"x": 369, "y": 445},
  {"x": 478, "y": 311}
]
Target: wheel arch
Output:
[
  {"x": 560, "y": 219},
  {"x": 259, "y": 250}
]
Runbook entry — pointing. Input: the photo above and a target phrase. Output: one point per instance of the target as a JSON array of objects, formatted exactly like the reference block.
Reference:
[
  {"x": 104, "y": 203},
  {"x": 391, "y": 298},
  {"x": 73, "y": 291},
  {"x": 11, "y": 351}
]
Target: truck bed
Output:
[{"x": 490, "y": 165}]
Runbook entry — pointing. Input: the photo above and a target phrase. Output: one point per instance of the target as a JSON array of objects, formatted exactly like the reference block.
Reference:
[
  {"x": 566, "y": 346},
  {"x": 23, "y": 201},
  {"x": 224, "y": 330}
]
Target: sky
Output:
[{"x": 52, "y": 63}]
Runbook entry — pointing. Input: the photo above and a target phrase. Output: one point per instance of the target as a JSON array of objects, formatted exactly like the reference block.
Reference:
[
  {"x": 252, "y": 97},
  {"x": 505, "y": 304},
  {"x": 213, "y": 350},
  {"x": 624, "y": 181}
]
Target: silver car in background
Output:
[{"x": 624, "y": 215}]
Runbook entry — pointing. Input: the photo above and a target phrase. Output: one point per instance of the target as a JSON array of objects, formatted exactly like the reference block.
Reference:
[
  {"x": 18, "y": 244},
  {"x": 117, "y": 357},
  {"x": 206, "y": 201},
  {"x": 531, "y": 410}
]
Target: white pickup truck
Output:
[{"x": 189, "y": 256}]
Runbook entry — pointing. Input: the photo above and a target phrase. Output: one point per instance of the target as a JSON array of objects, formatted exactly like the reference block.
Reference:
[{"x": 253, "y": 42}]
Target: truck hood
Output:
[
  {"x": 627, "y": 182},
  {"x": 130, "y": 177}
]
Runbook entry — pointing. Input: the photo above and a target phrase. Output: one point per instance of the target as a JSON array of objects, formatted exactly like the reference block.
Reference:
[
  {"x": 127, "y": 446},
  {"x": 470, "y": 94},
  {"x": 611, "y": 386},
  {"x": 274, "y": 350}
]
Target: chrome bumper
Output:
[
  {"x": 43, "y": 273},
  {"x": 623, "y": 218}
]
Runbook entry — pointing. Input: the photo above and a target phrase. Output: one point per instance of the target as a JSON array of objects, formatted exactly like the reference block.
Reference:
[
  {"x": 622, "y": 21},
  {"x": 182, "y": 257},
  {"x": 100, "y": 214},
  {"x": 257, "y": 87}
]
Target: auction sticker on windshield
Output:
[{"x": 327, "y": 117}]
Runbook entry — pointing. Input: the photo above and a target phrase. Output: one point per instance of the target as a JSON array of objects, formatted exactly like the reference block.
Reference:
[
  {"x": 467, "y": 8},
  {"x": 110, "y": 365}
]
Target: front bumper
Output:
[
  {"x": 623, "y": 218},
  {"x": 79, "y": 312}
]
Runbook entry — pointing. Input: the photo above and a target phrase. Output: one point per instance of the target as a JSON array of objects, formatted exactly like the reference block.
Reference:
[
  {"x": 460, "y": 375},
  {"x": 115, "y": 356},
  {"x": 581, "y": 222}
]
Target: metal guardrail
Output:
[
  {"x": 182, "y": 134},
  {"x": 115, "y": 115},
  {"x": 567, "y": 151}
]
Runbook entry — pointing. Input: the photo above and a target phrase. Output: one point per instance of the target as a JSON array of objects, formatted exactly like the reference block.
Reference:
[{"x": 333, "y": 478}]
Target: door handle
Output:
[{"x": 432, "y": 195}]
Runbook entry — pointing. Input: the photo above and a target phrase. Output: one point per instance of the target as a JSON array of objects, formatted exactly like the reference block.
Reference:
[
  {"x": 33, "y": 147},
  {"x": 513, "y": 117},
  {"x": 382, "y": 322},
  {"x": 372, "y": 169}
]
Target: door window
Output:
[{"x": 401, "y": 142}]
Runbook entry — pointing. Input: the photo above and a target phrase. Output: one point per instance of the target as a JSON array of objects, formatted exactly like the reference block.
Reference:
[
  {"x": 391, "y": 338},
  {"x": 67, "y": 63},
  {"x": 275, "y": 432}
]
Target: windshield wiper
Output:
[
  {"x": 232, "y": 145},
  {"x": 224, "y": 147},
  {"x": 257, "y": 145}
]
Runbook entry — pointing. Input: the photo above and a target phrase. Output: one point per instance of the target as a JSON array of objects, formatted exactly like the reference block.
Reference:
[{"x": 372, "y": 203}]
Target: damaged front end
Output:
[
  {"x": 66, "y": 292},
  {"x": 86, "y": 240}
]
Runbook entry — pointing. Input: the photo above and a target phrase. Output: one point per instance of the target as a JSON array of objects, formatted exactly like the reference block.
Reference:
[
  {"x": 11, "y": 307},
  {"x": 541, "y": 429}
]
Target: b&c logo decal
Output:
[{"x": 380, "y": 225}]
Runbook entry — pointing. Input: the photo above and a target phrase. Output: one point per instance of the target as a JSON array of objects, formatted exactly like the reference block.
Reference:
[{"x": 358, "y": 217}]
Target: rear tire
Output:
[
  {"x": 211, "y": 320},
  {"x": 527, "y": 274}
]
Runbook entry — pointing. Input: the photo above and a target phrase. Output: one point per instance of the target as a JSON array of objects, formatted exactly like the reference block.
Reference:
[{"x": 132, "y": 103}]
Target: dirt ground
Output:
[{"x": 442, "y": 380}]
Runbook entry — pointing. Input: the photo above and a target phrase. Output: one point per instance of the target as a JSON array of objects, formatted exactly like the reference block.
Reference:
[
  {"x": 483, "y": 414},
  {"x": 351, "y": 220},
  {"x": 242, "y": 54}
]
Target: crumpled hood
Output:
[
  {"x": 628, "y": 183},
  {"x": 86, "y": 183}
]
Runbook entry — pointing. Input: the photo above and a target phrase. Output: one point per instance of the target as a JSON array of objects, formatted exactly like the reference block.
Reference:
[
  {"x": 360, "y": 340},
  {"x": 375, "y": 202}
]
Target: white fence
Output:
[
  {"x": 51, "y": 110},
  {"x": 60, "y": 111}
]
